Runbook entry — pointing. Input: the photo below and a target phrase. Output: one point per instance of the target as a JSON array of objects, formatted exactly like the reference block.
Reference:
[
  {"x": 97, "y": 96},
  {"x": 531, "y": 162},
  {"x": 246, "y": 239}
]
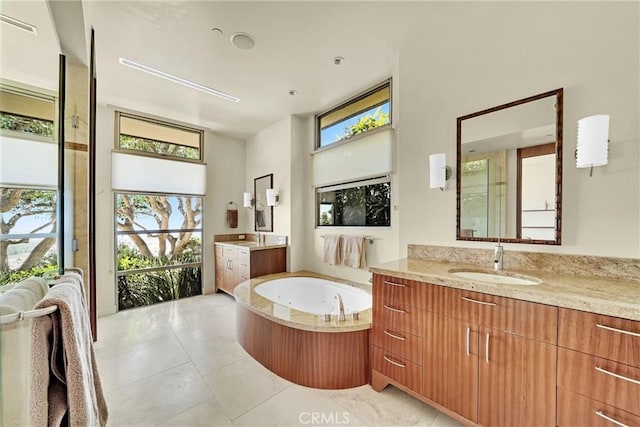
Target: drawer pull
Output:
[
  {"x": 396, "y": 310},
  {"x": 613, "y": 374},
  {"x": 622, "y": 331},
  {"x": 398, "y": 337},
  {"x": 468, "y": 333},
  {"x": 493, "y": 304},
  {"x": 393, "y": 362},
  {"x": 399, "y": 285},
  {"x": 611, "y": 420},
  {"x": 486, "y": 347}
]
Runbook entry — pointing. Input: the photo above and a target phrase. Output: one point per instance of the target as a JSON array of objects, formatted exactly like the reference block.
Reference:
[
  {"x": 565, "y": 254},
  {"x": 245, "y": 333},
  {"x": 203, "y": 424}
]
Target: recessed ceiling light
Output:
[
  {"x": 293, "y": 92},
  {"x": 242, "y": 41},
  {"x": 338, "y": 60},
  {"x": 178, "y": 80},
  {"x": 19, "y": 24},
  {"x": 217, "y": 30}
]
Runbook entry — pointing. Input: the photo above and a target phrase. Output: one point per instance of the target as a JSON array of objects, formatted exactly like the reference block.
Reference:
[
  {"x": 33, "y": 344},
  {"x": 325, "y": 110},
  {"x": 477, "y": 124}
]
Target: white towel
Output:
[
  {"x": 70, "y": 383},
  {"x": 332, "y": 249},
  {"x": 354, "y": 252}
]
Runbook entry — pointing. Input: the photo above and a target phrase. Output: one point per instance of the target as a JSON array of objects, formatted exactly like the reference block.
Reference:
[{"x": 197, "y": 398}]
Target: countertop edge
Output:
[{"x": 251, "y": 246}]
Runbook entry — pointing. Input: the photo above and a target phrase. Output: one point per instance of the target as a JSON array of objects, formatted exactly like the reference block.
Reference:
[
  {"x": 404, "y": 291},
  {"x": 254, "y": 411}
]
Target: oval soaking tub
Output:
[{"x": 281, "y": 323}]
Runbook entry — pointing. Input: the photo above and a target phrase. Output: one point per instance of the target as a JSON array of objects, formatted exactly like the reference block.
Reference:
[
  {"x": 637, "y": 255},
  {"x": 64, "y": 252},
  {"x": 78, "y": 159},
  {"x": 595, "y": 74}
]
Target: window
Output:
[
  {"x": 359, "y": 204},
  {"x": 158, "y": 138},
  {"x": 358, "y": 115},
  {"x": 26, "y": 112},
  {"x": 27, "y": 233},
  {"x": 158, "y": 248}
]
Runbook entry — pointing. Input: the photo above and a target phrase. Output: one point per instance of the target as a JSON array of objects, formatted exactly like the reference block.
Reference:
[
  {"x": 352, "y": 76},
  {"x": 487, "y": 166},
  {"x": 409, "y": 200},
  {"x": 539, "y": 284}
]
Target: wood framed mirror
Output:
[
  {"x": 263, "y": 214},
  {"x": 509, "y": 172}
]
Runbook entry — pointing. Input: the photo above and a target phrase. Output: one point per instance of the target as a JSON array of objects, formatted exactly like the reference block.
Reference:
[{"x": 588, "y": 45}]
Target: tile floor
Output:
[{"x": 178, "y": 364}]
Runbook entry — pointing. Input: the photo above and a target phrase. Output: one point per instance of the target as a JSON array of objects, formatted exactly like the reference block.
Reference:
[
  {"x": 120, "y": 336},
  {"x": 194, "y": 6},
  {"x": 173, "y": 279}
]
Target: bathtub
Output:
[
  {"x": 313, "y": 295},
  {"x": 281, "y": 323}
]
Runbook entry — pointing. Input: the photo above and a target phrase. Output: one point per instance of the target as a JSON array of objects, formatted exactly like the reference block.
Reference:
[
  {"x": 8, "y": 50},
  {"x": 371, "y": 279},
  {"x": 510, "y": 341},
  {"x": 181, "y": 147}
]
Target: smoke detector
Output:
[{"x": 242, "y": 41}]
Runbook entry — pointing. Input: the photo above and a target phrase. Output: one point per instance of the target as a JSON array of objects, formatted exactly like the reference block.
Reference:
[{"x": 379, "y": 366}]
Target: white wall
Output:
[{"x": 478, "y": 55}]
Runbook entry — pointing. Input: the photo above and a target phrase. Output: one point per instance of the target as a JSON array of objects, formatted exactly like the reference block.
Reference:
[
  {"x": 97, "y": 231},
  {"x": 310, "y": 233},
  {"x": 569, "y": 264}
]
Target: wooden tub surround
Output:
[{"x": 302, "y": 347}]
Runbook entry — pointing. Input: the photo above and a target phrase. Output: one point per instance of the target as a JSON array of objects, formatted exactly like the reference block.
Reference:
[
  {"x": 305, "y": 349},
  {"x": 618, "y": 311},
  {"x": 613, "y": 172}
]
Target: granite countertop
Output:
[
  {"x": 251, "y": 245},
  {"x": 247, "y": 297},
  {"x": 619, "y": 298}
]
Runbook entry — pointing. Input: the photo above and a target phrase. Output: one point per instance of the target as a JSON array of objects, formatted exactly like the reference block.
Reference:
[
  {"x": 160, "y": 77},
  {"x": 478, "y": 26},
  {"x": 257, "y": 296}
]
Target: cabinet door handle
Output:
[
  {"x": 611, "y": 420},
  {"x": 493, "y": 304},
  {"x": 396, "y": 310},
  {"x": 399, "y": 365},
  {"x": 613, "y": 374},
  {"x": 486, "y": 348},
  {"x": 622, "y": 331},
  {"x": 398, "y": 337},
  {"x": 468, "y": 334},
  {"x": 399, "y": 285}
]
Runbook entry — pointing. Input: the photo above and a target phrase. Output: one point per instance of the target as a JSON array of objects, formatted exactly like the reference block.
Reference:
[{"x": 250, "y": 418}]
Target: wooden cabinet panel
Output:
[
  {"x": 577, "y": 410},
  {"x": 517, "y": 380},
  {"x": 404, "y": 292},
  {"x": 397, "y": 368},
  {"x": 603, "y": 336},
  {"x": 451, "y": 364},
  {"x": 268, "y": 261},
  {"x": 615, "y": 384},
  {"x": 532, "y": 320},
  {"x": 407, "y": 346},
  {"x": 236, "y": 264},
  {"x": 398, "y": 318}
]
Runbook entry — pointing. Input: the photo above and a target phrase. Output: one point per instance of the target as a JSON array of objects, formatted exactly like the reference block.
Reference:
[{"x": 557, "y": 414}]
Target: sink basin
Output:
[{"x": 500, "y": 279}]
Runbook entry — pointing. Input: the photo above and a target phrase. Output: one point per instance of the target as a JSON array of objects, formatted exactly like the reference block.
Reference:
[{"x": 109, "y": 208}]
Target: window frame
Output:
[
  {"x": 25, "y": 90},
  {"x": 386, "y": 83},
  {"x": 353, "y": 184},
  {"x": 116, "y": 147}
]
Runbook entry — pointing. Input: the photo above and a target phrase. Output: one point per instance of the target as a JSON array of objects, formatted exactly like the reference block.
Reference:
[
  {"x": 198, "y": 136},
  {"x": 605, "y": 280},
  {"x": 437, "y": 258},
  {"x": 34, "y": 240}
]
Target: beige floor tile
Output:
[
  {"x": 298, "y": 406},
  {"x": 243, "y": 385},
  {"x": 215, "y": 353},
  {"x": 158, "y": 398},
  {"x": 208, "y": 413}
]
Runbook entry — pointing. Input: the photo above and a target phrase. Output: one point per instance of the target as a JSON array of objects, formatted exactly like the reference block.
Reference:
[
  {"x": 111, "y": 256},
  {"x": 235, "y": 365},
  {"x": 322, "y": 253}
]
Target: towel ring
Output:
[{"x": 232, "y": 205}]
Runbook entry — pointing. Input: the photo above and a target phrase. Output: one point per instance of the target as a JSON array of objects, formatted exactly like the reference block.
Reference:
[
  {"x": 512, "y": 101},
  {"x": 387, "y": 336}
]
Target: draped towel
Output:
[
  {"x": 354, "y": 251},
  {"x": 332, "y": 249}
]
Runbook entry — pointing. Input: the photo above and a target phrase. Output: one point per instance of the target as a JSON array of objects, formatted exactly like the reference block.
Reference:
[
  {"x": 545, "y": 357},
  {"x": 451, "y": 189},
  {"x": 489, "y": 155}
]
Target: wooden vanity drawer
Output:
[
  {"x": 244, "y": 257},
  {"x": 407, "y": 346},
  {"x": 527, "y": 319},
  {"x": 603, "y": 336},
  {"x": 397, "y": 368},
  {"x": 603, "y": 380},
  {"x": 396, "y": 317},
  {"x": 397, "y": 291},
  {"x": 577, "y": 410}
]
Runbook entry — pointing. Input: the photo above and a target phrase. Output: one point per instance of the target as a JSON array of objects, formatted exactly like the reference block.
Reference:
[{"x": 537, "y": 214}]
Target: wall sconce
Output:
[
  {"x": 272, "y": 197},
  {"x": 592, "y": 148},
  {"x": 439, "y": 172},
  {"x": 247, "y": 200}
]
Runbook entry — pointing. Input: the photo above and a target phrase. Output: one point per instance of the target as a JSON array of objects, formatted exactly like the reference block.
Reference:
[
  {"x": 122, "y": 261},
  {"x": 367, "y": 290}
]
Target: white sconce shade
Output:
[
  {"x": 272, "y": 197},
  {"x": 593, "y": 141},
  {"x": 246, "y": 200},
  {"x": 439, "y": 172}
]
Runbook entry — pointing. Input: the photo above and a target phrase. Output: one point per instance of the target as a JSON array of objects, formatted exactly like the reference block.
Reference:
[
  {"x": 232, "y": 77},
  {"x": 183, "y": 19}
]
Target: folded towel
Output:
[
  {"x": 332, "y": 249},
  {"x": 354, "y": 252},
  {"x": 70, "y": 382},
  {"x": 232, "y": 218}
]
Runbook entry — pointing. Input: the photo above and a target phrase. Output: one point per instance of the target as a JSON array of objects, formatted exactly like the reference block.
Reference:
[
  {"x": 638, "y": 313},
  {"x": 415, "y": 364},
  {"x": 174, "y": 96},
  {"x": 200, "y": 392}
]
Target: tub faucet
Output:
[
  {"x": 498, "y": 255},
  {"x": 341, "y": 317}
]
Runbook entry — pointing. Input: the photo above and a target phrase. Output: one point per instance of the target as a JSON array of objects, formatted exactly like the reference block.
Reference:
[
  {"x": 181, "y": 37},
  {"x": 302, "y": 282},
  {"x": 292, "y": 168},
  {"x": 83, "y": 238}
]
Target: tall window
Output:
[
  {"x": 360, "y": 114},
  {"x": 158, "y": 248},
  {"x": 360, "y": 204},
  {"x": 28, "y": 182},
  {"x": 157, "y": 138}
]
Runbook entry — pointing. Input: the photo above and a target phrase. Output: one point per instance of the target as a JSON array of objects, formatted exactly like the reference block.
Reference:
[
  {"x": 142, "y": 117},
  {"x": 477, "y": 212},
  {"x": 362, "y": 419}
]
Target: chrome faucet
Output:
[
  {"x": 341, "y": 317},
  {"x": 258, "y": 238},
  {"x": 498, "y": 255}
]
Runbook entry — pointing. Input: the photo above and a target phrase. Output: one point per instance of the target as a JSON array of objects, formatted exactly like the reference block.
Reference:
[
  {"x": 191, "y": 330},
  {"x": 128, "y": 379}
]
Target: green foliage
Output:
[
  {"x": 366, "y": 123},
  {"x": 366, "y": 205},
  {"x": 25, "y": 124},
  {"x": 46, "y": 267},
  {"x": 164, "y": 148}
]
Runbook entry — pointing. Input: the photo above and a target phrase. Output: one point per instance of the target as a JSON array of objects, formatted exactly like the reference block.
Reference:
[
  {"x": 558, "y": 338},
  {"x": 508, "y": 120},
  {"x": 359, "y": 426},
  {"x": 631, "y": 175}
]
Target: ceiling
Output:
[{"x": 295, "y": 43}]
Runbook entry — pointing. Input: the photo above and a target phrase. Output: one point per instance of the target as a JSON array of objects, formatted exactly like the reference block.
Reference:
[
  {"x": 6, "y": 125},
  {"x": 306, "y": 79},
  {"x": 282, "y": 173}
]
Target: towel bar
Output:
[
  {"x": 26, "y": 314},
  {"x": 369, "y": 239}
]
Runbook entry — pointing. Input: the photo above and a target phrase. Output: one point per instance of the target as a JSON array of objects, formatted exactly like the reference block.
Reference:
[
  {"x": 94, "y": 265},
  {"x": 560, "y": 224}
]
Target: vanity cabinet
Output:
[
  {"x": 598, "y": 369},
  {"x": 489, "y": 359},
  {"x": 235, "y": 264}
]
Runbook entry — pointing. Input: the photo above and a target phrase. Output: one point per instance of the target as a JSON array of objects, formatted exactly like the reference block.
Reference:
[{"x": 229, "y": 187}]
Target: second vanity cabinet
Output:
[
  {"x": 236, "y": 263},
  {"x": 489, "y": 359}
]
